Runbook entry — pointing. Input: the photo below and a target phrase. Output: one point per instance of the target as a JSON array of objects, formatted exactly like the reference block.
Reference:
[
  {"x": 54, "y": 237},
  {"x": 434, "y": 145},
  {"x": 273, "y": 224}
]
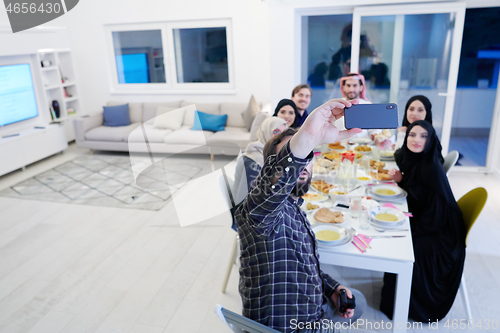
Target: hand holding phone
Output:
[
  {"x": 346, "y": 303},
  {"x": 371, "y": 116}
]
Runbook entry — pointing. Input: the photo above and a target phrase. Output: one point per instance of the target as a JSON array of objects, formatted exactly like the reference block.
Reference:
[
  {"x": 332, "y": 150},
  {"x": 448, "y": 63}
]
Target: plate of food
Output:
[
  {"x": 325, "y": 166},
  {"x": 387, "y": 155},
  {"x": 380, "y": 226},
  {"x": 332, "y": 155},
  {"x": 336, "y": 146},
  {"x": 385, "y": 139},
  {"x": 332, "y": 235},
  {"x": 363, "y": 149},
  {"x": 361, "y": 141},
  {"x": 388, "y": 196},
  {"x": 330, "y": 216},
  {"x": 310, "y": 207},
  {"x": 388, "y": 191},
  {"x": 315, "y": 197},
  {"x": 337, "y": 194},
  {"x": 387, "y": 215},
  {"x": 381, "y": 175},
  {"x": 377, "y": 165},
  {"x": 322, "y": 186},
  {"x": 364, "y": 180}
]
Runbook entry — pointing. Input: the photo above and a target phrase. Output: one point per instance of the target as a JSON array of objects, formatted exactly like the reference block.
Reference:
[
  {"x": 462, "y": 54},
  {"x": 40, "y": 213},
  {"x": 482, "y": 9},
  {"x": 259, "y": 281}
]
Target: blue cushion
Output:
[
  {"x": 118, "y": 115},
  {"x": 209, "y": 122}
]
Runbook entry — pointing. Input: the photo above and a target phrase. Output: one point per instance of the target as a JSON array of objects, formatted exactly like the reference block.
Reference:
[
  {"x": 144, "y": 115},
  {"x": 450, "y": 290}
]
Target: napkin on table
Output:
[{"x": 359, "y": 244}]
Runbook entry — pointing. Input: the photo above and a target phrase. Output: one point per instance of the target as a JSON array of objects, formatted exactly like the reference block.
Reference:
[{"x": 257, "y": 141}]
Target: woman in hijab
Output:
[
  {"x": 252, "y": 160},
  {"x": 417, "y": 108},
  {"x": 287, "y": 110},
  {"x": 437, "y": 227}
]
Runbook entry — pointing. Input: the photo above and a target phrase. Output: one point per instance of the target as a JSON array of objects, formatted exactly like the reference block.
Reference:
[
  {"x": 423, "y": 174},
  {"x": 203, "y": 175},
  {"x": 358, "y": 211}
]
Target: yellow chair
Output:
[{"x": 471, "y": 205}]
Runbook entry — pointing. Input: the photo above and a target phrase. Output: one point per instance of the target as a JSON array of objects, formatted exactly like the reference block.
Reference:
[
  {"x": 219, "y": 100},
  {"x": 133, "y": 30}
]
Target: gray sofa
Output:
[{"x": 142, "y": 136}]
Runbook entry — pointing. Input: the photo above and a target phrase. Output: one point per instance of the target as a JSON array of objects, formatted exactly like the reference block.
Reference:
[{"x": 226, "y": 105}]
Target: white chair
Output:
[
  {"x": 238, "y": 324},
  {"x": 226, "y": 184},
  {"x": 232, "y": 261},
  {"x": 450, "y": 160}
]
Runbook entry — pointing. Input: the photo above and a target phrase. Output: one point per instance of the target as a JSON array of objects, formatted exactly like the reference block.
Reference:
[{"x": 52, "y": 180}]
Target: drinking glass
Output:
[
  {"x": 347, "y": 174},
  {"x": 376, "y": 153},
  {"x": 364, "y": 221},
  {"x": 355, "y": 206},
  {"x": 365, "y": 164}
]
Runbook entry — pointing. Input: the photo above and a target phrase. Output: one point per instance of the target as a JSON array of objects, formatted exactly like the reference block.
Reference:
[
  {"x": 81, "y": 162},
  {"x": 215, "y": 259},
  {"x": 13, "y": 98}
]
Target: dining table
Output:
[{"x": 386, "y": 254}]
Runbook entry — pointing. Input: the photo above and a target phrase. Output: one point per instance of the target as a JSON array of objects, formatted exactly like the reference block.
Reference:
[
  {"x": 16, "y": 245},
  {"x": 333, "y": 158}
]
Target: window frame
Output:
[{"x": 171, "y": 86}]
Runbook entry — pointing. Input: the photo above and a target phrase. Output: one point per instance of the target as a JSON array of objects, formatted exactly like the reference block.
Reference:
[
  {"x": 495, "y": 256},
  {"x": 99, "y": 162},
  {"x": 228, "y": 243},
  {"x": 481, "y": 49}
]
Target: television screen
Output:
[{"x": 17, "y": 96}]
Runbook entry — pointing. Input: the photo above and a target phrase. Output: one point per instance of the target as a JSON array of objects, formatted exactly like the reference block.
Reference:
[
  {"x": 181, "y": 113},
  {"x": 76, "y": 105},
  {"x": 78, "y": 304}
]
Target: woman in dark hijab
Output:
[
  {"x": 287, "y": 110},
  {"x": 417, "y": 108},
  {"x": 437, "y": 227}
]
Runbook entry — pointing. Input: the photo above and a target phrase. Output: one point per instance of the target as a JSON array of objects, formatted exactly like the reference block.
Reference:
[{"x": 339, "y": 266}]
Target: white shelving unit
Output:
[{"x": 59, "y": 84}]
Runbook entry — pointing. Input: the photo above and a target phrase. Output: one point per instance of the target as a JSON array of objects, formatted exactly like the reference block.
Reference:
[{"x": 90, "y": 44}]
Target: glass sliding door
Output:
[
  {"x": 415, "y": 58},
  {"x": 477, "y": 87},
  {"x": 376, "y": 47},
  {"x": 410, "y": 50},
  {"x": 328, "y": 55}
]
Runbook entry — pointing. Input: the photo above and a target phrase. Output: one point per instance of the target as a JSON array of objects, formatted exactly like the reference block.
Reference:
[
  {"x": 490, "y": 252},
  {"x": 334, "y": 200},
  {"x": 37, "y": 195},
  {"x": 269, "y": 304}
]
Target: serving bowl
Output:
[{"x": 337, "y": 194}]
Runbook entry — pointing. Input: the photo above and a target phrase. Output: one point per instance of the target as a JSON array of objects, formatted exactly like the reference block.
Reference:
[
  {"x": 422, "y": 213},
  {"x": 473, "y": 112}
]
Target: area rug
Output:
[{"x": 104, "y": 180}]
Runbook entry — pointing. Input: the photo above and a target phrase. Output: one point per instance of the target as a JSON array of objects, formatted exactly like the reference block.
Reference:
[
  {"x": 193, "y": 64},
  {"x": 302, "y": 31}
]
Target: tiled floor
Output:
[{"x": 75, "y": 268}]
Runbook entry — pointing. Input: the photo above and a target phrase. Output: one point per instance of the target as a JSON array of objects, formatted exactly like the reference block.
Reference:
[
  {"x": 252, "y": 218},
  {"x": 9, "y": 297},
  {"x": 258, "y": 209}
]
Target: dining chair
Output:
[
  {"x": 239, "y": 324},
  {"x": 450, "y": 160},
  {"x": 226, "y": 185},
  {"x": 471, "y": 205},
  {"x": 232, "y": 262}
]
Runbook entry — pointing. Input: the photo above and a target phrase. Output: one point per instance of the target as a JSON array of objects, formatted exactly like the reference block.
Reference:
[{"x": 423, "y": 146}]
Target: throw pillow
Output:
[
  {"x": 169, "y": 118},
  {"x": 258, "y": 120},
  {"x": 209, "y": 122},
  {"x": 250, "y": 113},
  {"x": 116, "y": 115},
  {"x": 189, "y": 114}
]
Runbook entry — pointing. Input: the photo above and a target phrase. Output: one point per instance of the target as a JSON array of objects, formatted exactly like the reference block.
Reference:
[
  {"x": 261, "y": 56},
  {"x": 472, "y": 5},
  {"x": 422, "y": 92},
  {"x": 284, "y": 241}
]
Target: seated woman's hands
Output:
[
  {"x": 395, "y": 175},
  {"x": 402, "y": 129},
  {"x": 336, "y": 301}
]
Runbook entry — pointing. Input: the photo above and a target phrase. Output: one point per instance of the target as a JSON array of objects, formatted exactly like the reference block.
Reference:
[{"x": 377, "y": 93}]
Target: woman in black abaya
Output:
[
  {"x": 437, "y": 227},
  {"x": 417, "y": 108}
]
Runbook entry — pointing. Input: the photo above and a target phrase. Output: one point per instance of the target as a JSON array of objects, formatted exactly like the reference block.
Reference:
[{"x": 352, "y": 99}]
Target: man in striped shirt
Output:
[{"x": 281, "y": 282}]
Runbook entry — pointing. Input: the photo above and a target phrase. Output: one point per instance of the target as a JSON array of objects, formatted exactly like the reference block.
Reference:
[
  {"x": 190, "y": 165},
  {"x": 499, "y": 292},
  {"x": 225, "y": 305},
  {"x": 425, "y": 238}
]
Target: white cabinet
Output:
[
  {"x": 12, "y": 157},
  {"x": 30, "y": 146}
]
